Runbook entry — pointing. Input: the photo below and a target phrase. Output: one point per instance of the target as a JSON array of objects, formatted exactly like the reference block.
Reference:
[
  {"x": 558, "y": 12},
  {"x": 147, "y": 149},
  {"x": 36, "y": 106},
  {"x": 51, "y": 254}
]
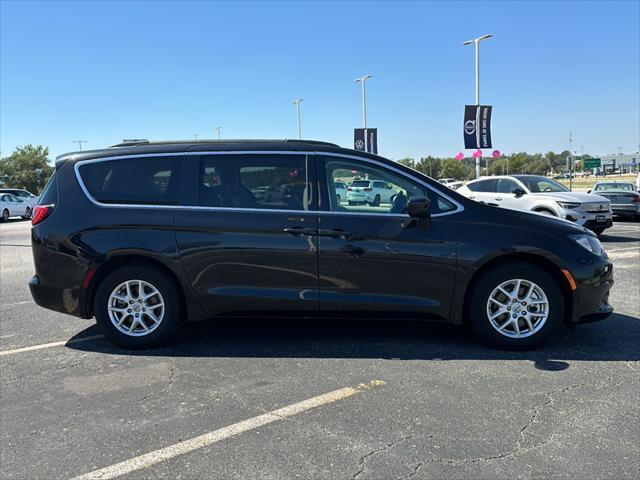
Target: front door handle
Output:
[
  {"x": 300, "y": 231},
  {"x": 334, "y": 233},
  {"x": 499, "y": 199}
]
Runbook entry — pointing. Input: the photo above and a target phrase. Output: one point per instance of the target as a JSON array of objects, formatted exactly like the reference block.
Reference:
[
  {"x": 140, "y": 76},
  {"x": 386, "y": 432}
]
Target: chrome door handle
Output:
[
  {"x": 336, "y": 233},
  {"x": 498, "y": 199}
]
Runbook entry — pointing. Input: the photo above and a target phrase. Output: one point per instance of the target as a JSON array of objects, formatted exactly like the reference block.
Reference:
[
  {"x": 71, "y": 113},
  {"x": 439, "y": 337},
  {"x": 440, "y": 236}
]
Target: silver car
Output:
[
  {"x": 540, "y": 194},
  {"x": 624, "y": 198}
]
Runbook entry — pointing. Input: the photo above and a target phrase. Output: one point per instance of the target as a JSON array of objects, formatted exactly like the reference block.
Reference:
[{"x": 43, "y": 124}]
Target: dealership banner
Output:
[
  {"x": 366, "y": 140},
  {"x": 477, "y": 126}
]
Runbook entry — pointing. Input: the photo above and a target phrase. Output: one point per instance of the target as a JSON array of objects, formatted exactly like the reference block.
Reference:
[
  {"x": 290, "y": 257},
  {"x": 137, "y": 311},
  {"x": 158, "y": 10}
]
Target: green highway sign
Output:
[{"x": 592, "y": 163}]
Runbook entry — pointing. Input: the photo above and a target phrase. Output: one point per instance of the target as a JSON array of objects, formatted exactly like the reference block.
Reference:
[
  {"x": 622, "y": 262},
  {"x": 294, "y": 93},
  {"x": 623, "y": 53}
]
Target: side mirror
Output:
[
  {"x": 419, "y": 211},
  {"x": 518, "y": 192},
  {"x": 589, "y": 191},
  {"x": 419, "y": 207}
]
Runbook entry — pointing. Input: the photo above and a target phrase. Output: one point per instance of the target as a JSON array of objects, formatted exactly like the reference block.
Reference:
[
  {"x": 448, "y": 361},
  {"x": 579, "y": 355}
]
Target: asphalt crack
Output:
[
  {"x": 362, "y": 463},
  {"x": 172, "y": 373}
]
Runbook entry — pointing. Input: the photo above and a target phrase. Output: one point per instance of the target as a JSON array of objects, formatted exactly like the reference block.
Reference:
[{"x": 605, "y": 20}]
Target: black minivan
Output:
[{"x": 146, "y": 235}]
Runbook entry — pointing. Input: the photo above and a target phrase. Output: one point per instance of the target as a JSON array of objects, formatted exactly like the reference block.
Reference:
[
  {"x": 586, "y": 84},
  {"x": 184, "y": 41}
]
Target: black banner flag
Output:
[
  {"x": 477, "y": 126},
  {"x": 366, "y": 140}
]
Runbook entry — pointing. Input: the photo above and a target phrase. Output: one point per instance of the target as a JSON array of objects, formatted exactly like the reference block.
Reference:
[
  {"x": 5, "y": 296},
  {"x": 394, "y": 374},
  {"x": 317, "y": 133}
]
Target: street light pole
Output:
[
  {"x": 570, "y": 161},
  {"x": 195, "y": 136},
  {"x": 79, "y": 142},
  {"x": 476, "y": 42},
  {"x": 297, "y": 103},
  {"x": 363, "y": 81},
  {"x": 218, "y": 130}
]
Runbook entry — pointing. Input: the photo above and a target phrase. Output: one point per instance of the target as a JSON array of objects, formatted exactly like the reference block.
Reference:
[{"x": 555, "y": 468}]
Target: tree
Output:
[
  {"x": 27, "y": 167},
  {"x": 453, "y": 169}
]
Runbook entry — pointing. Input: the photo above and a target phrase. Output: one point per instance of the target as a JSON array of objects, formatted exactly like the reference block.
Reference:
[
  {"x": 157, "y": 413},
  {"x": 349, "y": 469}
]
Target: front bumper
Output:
[
  {"x": 591, "y": 297},
  {"x": 590, "y": 220}
]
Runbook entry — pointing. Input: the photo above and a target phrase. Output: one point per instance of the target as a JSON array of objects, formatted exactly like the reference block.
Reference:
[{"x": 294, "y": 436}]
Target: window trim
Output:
[{"x": 317, "y": 154}]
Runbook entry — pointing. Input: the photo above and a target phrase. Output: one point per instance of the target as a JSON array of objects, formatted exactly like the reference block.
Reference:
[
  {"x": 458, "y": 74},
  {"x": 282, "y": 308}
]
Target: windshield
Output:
[
  {"x": 625, "y": 187},
  {"x": 542, "y": 184}
]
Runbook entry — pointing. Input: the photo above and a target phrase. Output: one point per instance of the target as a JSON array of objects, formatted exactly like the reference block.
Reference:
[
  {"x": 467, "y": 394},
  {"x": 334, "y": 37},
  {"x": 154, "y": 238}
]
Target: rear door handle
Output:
[
  {"x": 499, "y": 199},
  {"x": 300, "y": 231},
  {"x": 334, "y": 233}
]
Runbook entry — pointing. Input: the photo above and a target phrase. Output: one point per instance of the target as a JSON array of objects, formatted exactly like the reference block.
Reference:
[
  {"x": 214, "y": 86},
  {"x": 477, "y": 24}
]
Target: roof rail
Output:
[
  {"x": 130, "y": 142},
  {"x": 142, "y": 141}
]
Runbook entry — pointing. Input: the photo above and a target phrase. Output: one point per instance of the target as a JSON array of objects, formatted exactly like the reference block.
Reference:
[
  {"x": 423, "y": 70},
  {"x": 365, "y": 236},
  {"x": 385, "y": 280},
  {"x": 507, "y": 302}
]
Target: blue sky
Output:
[{"x": 164, "y": 70}]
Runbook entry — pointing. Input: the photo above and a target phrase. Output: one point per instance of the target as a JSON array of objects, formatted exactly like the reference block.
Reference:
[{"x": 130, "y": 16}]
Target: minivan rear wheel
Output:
[
  {"x": 138, "y": 307},
  {"x": 516, "y": 306}
]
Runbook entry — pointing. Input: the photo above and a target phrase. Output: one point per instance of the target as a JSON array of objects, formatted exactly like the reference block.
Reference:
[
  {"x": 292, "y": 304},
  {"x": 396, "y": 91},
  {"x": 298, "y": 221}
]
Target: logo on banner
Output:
[
  {"x": 470, "y": 127},
  {"x": 366, "y": 139}
]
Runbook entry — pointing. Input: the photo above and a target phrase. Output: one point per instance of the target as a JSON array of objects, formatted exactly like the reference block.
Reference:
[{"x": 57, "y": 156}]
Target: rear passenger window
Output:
[
  {"x": 254, "y": 181},
  {"x": 148, "y": 181},
  {"x": 484, "y": 186}
]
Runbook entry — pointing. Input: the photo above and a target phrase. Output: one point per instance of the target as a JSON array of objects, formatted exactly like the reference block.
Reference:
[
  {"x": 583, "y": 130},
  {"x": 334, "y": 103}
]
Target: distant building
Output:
[{"x": 624, "y": 163}]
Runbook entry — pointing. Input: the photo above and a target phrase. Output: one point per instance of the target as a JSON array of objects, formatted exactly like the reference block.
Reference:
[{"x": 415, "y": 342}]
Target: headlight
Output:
[
  {"x": 569, "y": 204},
  {"x": 589, "y": 242}
]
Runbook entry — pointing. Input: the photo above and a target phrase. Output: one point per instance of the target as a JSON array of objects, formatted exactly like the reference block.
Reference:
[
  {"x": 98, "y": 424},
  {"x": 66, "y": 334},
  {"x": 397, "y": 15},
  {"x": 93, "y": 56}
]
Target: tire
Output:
[
  {"x": 376, "y": 201},
  {"x": 338, "y": 199},
  {"x": 486, "y": 287},
  {"x": 170, "y": 314},
  {"x": 5, "y": 215},
  {"x": 27, "y": 214}
]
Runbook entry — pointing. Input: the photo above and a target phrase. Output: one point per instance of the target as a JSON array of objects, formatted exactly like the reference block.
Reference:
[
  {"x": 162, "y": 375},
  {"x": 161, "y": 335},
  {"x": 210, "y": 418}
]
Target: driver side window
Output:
[{"x": 375, "y": 189}]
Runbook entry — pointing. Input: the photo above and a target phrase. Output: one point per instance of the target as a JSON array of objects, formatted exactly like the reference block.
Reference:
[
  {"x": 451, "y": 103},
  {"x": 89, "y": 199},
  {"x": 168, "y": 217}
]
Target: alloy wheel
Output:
[
  {"x": 136, "y": 308},
  {"x": 517, "y": 308}
]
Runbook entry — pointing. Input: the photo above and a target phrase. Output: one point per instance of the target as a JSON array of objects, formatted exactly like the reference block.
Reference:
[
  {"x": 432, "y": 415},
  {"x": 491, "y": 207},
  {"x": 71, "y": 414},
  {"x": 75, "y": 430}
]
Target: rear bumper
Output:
[
  {"x": 626, "y": 209},
  {"x": 70, "y": 301}
]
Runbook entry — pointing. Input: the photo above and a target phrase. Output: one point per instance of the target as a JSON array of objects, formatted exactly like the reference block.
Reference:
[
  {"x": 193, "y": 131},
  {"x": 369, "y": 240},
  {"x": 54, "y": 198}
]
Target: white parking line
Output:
[
  {"x": 48, "y": 345},
  {"x": 186, "y": 446}
]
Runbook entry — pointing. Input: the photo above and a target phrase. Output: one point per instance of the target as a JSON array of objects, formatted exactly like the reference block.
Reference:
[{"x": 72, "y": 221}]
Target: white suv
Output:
[
  {"x": 543, "y": 195},
  {"x": 373, "y": 192}
]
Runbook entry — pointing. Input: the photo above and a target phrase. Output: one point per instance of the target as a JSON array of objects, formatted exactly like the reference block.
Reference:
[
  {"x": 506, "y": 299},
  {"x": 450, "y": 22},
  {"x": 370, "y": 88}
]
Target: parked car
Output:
[
  {"x": 27, "y": 197},
  {"x": 12, "y": 206},
  {"x": 540, "y": 194},
  {"x": 373, "y": 192},
  {"x": 341, "y": 192},
  {"x": 624, "y": 197},
  {"x": 143, "y": 240},
  {"x": 447, "y": 181},
  {"x": 454, "y": 185}
]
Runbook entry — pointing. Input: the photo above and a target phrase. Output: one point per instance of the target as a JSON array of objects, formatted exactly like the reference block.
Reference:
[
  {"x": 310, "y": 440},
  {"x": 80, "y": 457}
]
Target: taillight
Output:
[
  {"x": 368, "y": 189},
  {"x": 40, "y": 213},
  {"x": 636, "y": 199},
  {"x": 350, "y": 189}
]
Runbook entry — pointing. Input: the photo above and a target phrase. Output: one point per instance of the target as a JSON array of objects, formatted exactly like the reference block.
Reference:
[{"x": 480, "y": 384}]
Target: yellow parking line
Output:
[
  {"x": 195, "y": 443},
  {"x": 48, "y": 345}
]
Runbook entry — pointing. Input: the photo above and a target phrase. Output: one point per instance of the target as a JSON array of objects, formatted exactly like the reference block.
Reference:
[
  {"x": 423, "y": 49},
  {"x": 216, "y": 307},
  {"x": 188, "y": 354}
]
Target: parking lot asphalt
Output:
[{"x": 405, "y": 400}]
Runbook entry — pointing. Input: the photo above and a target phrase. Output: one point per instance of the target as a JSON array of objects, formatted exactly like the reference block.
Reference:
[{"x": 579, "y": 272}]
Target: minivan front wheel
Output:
[
  {"x": 516, "y": 306},
  {"x": 137, "y": 307}
]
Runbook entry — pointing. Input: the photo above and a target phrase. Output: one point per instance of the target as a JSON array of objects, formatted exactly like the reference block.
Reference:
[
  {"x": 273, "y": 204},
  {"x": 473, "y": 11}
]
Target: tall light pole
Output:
[
  {"x": 218, "y": 130},
  {"x": 476, "y": 42},
  {"x": 363, "y": 81},
  {"x": 195, "y": 136},
  {"x": 79, "y": 142},
  {"x": 570, "y": 161},
  {"x": 297, "y": 103}
]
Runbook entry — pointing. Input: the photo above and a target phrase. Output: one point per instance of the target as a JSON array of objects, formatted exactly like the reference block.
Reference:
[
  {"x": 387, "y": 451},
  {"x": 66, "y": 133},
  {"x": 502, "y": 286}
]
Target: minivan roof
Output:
[{"x": 137, "y": 147}]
